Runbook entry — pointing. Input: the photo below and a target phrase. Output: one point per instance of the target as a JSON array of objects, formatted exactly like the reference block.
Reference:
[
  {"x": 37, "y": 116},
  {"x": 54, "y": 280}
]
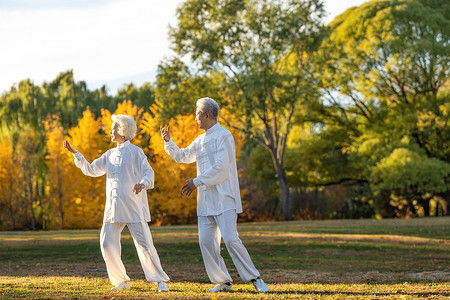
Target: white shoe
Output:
[
  {"x": 221, "y": 287},
  {"x": 162, "y": 287},
  {"x": 260, "y": 286},
  {"x": 121, "y": 286}
]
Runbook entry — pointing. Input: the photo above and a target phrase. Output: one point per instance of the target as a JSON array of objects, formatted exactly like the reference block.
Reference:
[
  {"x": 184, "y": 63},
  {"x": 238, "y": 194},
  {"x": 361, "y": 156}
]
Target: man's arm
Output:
[{"x": 184, "y": 155}]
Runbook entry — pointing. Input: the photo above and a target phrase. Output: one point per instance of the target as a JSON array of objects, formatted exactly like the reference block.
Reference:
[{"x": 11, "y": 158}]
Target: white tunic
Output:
[
  {"x": 217, "y": 177},
  {"x": 124, "y": 166}
]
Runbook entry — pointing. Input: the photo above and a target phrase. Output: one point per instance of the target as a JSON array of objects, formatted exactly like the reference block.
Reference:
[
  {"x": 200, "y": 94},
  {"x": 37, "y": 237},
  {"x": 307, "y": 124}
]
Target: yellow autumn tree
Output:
[
  {"x": 167, "y": 203},
  {"x": 10, "y": 179},
  {"x": 87, "y": 193},
  {"x": 60, "y": 174}
]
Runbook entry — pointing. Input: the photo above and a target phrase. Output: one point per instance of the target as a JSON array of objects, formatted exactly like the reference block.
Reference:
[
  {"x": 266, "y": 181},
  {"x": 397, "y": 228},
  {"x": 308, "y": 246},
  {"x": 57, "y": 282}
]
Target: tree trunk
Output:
[
  {"x": 426, "y": 207},
  {"x": 11, "y": 214},
  {"x": 60, "y": 196},
  {"x": 11, "y": 208},
  {"x": 284, "y": 188},
  {"x": 284, "y": 195},
  {"x": 31, "y": 200}
]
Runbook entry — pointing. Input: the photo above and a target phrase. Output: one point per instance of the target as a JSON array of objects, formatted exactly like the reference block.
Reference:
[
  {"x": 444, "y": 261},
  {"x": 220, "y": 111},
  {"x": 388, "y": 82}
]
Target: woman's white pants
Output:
[
  {"x": 210, "y": 231},
  {"x": 111, "y": 251}
]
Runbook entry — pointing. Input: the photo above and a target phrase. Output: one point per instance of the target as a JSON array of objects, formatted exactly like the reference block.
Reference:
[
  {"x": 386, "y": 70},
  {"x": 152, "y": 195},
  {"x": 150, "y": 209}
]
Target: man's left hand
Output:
[{"x": 188, "y": 187}]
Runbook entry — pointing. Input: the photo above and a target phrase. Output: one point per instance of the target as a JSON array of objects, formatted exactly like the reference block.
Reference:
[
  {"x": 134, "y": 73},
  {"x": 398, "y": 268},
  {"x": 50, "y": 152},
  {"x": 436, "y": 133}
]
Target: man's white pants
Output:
[
  {"x": 111, "y": 251},
  {"x": 210, "y": 231}
]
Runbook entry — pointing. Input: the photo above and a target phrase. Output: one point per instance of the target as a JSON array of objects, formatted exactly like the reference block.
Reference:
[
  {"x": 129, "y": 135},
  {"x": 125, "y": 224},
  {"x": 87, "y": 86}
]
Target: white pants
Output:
[
  {"x": 111, "y": 251},
  {"x": 210, "y": 231}
]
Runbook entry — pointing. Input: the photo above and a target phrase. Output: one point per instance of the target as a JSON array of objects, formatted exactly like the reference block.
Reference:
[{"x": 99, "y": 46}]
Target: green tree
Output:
[
  {"x": 21, "y": 107},
  {"x": 144, "y": 96},
  {"x": 259, "y": 48},
  {"x": 384, "y": 69},
  {"x": 177, "y": 88}
]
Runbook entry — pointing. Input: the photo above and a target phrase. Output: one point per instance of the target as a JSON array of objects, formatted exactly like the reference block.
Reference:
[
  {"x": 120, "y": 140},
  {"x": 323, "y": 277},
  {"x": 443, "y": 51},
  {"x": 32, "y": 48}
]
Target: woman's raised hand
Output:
[{"x": 68, "y": 147}]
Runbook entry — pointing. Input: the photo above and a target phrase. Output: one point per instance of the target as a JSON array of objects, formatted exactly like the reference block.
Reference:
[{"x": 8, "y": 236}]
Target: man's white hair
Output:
[
  {"x": 127, "y": 126},
  {"x": 209, "y": 105}
]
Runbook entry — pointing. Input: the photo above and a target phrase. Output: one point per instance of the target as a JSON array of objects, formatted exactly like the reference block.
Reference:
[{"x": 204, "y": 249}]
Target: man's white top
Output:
[
  {"x": 124, "y": 166},
  {"x": 217, "y": 177}
]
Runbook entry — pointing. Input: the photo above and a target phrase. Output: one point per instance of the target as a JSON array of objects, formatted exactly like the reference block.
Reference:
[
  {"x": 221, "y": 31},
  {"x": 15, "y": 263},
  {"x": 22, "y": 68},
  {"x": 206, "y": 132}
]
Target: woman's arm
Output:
[{"x": 95, "y": 169}]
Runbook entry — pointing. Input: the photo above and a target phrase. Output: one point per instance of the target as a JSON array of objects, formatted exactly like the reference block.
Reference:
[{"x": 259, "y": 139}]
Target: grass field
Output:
[{"x": 336, "y": 259}]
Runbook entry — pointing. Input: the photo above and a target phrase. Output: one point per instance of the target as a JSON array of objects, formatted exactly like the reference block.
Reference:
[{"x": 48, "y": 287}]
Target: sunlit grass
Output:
[
  {"x": 95, "y": 288},
  {"x": 339, "y": 259}
]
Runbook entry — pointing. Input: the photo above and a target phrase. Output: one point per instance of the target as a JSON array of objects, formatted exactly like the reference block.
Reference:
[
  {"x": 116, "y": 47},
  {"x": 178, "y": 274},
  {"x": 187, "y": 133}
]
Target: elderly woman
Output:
[{"x": 128, "y": 173}]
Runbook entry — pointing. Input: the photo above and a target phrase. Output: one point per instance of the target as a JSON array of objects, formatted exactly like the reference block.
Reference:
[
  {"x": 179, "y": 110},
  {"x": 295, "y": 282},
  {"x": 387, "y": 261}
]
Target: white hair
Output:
[
  {"x": 127, "y": 126},
  {"x": 209, "y": 105}
]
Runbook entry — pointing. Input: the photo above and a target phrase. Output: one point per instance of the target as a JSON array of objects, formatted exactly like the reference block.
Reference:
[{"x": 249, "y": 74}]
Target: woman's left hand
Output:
[{"x": 138, "y": 187}]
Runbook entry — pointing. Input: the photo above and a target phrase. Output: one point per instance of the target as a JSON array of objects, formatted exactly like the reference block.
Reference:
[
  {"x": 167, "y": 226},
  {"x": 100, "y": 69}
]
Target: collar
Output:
[
  {"x": 213, "y": 128},
  {"x": 123, "y": 145}
]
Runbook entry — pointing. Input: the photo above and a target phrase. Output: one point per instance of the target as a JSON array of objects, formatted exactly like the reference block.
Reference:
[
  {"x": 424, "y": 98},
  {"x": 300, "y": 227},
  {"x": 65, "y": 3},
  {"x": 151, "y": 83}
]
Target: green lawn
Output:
[{"x": 335, "y": 259}]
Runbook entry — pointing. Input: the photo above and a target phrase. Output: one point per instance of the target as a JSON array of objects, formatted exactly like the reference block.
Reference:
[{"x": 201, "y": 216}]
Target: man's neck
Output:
[{"x": 211, "y": 125}]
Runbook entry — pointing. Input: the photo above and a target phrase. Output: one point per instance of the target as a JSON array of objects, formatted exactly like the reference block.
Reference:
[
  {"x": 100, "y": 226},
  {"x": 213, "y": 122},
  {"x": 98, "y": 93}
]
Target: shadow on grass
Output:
[{"x": 377, "y": 294}]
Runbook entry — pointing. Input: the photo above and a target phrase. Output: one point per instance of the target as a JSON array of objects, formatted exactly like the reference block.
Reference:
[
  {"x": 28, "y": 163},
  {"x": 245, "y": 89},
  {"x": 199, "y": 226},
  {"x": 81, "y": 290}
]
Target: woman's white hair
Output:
[
  {"x": 209, "y": 105},
  {"x": 127, "y": 126}
]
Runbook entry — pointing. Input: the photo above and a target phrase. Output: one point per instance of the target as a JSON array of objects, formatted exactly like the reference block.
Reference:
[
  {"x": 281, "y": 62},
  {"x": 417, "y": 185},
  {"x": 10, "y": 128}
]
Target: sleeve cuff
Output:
[
  {"x": 144, "y": 182},
  {"x": 197, "y": 182}
]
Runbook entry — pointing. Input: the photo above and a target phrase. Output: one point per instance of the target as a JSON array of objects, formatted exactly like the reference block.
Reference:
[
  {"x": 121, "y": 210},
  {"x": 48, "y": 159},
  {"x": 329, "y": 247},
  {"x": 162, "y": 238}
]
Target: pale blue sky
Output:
[{"x": 110, "y": 42}]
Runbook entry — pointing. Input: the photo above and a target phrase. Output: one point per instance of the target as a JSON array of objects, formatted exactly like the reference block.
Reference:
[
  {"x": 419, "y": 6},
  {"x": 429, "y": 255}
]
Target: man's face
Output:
[
  {"x": 201, "y": 118},
  {"x": 115, "y": 136}
]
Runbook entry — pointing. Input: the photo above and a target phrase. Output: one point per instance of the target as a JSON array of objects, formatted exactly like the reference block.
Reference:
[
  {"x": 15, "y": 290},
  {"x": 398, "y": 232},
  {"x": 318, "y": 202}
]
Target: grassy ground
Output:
[{"x": 338, "y": 259}]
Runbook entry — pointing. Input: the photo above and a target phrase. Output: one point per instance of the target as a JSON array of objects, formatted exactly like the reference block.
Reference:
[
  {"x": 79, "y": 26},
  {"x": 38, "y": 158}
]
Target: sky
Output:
[{"x": 104, "y": 42}]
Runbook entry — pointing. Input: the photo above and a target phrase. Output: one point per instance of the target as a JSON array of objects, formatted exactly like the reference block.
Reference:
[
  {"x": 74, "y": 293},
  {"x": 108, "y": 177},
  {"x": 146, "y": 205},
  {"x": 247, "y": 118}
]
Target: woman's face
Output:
[{"x": 115, "y": 136}]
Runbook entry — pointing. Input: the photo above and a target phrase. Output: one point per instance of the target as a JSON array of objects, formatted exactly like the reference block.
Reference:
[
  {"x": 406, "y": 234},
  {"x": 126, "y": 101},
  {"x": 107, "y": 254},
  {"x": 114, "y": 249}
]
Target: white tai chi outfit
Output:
[
  {"x": 125, "y": 166},
  {"x": 218, "y": 201}
]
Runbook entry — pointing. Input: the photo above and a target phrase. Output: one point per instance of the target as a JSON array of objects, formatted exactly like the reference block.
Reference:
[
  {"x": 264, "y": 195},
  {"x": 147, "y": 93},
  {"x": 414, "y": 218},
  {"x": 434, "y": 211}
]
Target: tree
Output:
[
  {"x": 59, "y": 164},
  {"x": 30, "y": 161},
  {"x": 143, "y": 96},
  {"x": 9, "y": 183},
  {"x": 177, "y": 88},
  {"x": 258, "y": 47},
  {"x": 87, "y": 193},
  {"x": 383, "y": 69},
  {"x": 22, "y": 107},
  {"x": 166, "y": 198}
]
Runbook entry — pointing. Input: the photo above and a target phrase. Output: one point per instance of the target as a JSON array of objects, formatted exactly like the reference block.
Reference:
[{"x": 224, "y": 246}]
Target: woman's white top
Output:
[
  {"x": 124, "y": 166},
  {"x": 217, "y": 177}
]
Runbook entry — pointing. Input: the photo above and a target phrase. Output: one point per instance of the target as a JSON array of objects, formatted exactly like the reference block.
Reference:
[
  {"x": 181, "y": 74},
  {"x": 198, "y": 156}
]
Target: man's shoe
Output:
[
  {"x": 121, "y": 286},
  {"x": 260, "y": 286},
  {"x": 162, "y": 287},
  {"x": 221, "y": 287}
]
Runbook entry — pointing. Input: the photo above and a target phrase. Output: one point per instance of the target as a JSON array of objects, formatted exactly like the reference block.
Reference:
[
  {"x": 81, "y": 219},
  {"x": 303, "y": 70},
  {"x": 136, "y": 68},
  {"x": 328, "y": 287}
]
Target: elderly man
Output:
[
  {"x": 127, "y": 174},
  {"x": 218, "y": 197}
]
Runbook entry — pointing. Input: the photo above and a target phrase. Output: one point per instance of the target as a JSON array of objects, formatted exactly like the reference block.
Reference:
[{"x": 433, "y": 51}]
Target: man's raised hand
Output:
[{"x": 165, "y": 134}]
